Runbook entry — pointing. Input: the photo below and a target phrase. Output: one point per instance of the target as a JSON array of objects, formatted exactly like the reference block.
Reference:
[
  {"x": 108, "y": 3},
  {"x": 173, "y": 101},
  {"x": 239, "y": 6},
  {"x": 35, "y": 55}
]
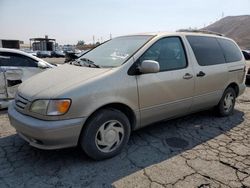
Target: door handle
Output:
[
  {"x": 187, "y": 76},
  {"x": 201, "y": 74}
]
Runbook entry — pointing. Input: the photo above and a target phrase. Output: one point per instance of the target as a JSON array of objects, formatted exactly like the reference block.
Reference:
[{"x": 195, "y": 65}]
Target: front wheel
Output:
[
  {"x": 105, "y": 134},
  {"x": 227, "y": 102},
  {"x": 248, "y": 81}
]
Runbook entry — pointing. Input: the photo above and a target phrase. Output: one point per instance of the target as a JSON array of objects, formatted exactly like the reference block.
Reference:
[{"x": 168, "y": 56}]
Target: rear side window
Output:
[
  {"x": 230, "y": 50},
  {"x": 207, "y": 50},
  {"x": 16, "y": 60}
]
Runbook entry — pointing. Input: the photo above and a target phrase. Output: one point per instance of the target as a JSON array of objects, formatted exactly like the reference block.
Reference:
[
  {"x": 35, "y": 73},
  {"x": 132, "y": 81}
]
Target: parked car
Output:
[
  {"x": 43, "y": 54},
  {"x": 125, "y": 84},
  {"x": 15, "y": 67},
  {"x": 71, "y": 56},
  {"x": 246, "y": 54},
  {"x": 34, "y": 53},
  {"x": 29, "y": 51},
  {"x": 57, "y": 54},
  {"x": 248, "y": 77}
]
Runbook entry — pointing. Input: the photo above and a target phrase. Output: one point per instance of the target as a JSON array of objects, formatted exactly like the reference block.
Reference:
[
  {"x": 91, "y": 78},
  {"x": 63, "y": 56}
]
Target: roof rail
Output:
[{"x": 200, "y": 31}]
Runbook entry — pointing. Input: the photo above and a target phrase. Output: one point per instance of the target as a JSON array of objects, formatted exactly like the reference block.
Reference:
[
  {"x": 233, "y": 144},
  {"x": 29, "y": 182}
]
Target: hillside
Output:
[{"x": 235, "y": 27}]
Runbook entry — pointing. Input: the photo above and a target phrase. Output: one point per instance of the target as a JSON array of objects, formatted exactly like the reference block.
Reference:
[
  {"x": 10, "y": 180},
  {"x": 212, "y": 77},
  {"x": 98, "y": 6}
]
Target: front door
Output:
[
  {"x": 168, "y": 93},
  {"x": 13, "y": 78}
]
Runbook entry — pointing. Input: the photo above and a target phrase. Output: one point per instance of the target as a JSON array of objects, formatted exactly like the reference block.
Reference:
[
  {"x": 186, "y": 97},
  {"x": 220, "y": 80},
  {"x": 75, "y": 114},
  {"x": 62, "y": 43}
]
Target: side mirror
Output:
[
  {"x": 149, "y": 66},
  {"x": 42, "y": 65}
]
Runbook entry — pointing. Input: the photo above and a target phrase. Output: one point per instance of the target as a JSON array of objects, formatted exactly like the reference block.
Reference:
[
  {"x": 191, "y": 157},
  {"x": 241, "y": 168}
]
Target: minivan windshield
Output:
[{"x": 116, "y": 51}]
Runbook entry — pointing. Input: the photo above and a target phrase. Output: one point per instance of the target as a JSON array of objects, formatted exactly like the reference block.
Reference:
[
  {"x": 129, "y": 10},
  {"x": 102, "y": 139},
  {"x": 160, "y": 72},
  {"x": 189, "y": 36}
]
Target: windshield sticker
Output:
[{"x": 119, "y": 55}]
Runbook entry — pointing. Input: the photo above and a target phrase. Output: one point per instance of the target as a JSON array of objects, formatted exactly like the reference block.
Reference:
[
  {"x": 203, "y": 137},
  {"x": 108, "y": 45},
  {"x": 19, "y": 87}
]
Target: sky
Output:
[{"x": 69, "y": 21}]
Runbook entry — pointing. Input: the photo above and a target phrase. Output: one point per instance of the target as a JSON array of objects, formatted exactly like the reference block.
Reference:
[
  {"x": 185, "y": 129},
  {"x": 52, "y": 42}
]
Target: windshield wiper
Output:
[
  {"x": 93, "y": 65},
  {"x": 87, "y": 63}
]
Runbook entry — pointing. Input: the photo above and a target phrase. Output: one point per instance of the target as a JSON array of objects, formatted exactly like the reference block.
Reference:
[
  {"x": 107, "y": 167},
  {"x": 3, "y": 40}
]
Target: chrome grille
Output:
[{"x": 21, "y": 102}]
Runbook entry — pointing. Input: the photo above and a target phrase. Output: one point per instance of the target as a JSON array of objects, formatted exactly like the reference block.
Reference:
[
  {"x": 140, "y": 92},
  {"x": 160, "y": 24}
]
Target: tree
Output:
[{"x": 80, "y": 43}]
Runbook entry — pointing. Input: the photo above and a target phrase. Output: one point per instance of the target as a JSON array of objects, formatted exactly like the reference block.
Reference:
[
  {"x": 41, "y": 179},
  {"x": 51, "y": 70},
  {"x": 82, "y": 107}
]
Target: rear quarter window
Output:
[
  {"x": 206, "y": 50},
  {"x": 230, "y": 50}
]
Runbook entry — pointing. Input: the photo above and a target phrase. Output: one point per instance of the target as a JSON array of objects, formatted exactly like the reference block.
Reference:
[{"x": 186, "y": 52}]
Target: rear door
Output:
[
  {"x": 169, "y": 92},
  {"x": 211, "y": 73}
]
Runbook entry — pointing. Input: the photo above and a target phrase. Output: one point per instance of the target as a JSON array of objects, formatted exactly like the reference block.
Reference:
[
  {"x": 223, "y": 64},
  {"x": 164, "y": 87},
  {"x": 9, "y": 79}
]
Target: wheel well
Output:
[
  {"x": 235, "y": 87},
  {"x": 121, "y": 107}
]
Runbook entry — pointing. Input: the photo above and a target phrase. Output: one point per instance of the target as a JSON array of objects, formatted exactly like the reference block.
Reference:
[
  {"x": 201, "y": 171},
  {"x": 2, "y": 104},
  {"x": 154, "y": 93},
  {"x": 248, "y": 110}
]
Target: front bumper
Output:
[{"x": 46, "y": 134}]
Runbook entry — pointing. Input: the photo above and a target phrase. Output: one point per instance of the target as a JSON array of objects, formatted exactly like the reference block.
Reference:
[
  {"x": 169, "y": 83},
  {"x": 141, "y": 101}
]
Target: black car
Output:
[
  {"x": 57, "y": 54},
  {"x": 248, "y": 77},
  {"x": 246, "y": 54},
  {"x": 71, "y": 56},
  {"x": 43, "y": 54}
]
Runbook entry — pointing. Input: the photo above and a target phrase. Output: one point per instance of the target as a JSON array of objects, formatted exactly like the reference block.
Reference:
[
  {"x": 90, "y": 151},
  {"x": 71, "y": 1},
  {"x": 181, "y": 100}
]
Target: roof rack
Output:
[{"x": 200, "y": 31}]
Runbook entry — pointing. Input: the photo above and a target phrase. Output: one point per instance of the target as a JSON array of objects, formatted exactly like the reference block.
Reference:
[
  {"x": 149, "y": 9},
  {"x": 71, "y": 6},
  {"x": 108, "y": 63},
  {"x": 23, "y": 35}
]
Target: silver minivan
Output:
[{"x": 125, "y": 84}]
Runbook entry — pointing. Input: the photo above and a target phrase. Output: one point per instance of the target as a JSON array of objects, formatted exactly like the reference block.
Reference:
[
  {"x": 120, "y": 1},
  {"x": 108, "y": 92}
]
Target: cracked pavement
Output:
[{"x": 199, "y": 150}]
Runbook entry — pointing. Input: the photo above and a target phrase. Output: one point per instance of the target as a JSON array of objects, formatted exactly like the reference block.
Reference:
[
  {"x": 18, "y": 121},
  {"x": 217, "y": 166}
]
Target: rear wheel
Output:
[
  {"x": 227, "y": 102},
  {"x": 105, "y": 134}
]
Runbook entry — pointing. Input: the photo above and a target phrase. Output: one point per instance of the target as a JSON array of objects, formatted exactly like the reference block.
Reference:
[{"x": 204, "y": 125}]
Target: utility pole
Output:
[
  {"x": 110, "y": 36},
  {"x": 93, "y": 39}
]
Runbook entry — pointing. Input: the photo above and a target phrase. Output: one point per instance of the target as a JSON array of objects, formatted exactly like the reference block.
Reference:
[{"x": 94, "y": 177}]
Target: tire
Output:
[
  {"x": 223, "y": 109},
  {"x": 107, "y": 126},
  {"x": 248, "y": 81}
]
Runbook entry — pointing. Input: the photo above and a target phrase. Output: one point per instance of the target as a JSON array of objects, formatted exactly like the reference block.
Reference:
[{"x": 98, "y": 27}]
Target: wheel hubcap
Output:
[
  {"x": 109, "y": 136},
  {"x": 228, "y": 102}
]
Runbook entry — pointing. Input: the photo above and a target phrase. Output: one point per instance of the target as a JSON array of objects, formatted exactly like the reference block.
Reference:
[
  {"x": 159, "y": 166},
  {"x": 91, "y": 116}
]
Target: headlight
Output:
[
  {"x": 51, "y": 107},
  {"x": 39, "y": 107}
]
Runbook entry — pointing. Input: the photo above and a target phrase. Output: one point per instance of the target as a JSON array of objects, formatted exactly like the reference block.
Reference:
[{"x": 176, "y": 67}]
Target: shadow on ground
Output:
[
  {"x": 25, "y": 166},
  {"x": 3, "y": 111}
]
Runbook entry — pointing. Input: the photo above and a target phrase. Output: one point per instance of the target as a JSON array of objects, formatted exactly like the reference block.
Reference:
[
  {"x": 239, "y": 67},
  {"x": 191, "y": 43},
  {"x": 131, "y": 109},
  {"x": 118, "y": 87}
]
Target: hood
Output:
[{"x": 51, "y": 82}]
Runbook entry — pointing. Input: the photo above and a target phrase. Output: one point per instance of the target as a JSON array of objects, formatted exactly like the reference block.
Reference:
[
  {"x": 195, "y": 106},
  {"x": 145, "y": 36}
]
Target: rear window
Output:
[
  {"x": 16, "y": 60},
  {"x": 230, "y": 50},
  {"x": 207, "y": 50}
]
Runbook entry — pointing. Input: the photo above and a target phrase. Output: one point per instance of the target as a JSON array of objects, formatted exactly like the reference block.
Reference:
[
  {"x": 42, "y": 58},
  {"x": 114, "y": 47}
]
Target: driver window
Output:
[{"x": 168, "y": 52}]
